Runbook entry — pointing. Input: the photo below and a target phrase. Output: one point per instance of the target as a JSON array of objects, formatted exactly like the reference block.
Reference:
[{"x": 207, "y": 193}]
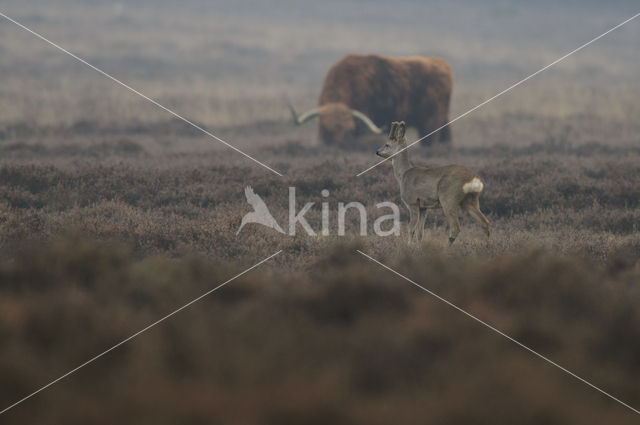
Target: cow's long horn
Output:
[
  {"x": 301, "y": 119},
  {"x": 365, "y": 119}
]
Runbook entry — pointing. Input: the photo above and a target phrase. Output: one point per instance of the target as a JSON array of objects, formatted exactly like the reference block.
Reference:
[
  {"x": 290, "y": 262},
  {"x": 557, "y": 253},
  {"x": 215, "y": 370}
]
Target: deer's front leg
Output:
[
  {"x": 414, "y": 216},
  {"x": 420, "y": 224}
]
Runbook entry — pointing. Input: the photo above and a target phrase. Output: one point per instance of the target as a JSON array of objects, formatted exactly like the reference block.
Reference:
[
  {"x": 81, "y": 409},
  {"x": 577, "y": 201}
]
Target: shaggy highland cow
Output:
[{"x": 362, "y": 92}]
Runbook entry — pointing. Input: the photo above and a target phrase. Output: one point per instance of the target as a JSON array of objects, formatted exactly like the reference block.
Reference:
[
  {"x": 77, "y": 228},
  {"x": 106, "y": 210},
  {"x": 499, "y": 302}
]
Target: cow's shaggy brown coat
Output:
[{"x": 416, "y": 90}]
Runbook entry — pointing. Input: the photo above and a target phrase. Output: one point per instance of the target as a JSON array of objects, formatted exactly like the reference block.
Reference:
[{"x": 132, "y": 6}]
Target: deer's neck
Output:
[{"x": 401, "y": 164}]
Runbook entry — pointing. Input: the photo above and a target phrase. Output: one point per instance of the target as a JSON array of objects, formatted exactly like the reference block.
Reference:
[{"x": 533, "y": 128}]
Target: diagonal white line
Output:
[
  {"x": 109, "y": 76},
  {"x": 450, "y": 304},
  {"x": 504, "y": 91},
  {"x": 137, "y": 333}
]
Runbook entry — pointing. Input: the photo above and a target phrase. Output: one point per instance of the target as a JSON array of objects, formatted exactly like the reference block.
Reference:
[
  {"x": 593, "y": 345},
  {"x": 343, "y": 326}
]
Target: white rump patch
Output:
[{"x": 475, "y": 185}]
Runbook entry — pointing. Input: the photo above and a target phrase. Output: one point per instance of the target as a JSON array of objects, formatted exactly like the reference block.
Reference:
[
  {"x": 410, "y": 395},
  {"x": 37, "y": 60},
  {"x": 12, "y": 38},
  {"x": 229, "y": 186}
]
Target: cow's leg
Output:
[
  {"x": 445, "y": 133},
  {"x": 432, "y": 139}
]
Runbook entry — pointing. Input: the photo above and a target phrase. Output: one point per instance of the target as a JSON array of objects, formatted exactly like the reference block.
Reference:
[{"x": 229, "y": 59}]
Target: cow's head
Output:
[{"x": 337, "y": 121}]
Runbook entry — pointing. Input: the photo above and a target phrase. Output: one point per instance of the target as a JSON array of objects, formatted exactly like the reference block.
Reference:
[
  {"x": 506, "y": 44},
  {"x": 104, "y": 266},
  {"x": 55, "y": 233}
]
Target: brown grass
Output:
[
  {"x": 581, "y": 200},
  {"x": 342, "y": 342}
]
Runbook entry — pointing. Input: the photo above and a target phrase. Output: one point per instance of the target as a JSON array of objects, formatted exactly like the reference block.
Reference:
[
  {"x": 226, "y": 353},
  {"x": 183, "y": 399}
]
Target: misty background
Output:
[{"x": 230, "y": 63}]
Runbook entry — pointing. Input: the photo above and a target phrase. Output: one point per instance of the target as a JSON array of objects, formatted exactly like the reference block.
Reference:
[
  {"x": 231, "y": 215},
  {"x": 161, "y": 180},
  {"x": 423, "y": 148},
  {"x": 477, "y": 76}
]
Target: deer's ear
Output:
[{"x": 392, "y": 131}]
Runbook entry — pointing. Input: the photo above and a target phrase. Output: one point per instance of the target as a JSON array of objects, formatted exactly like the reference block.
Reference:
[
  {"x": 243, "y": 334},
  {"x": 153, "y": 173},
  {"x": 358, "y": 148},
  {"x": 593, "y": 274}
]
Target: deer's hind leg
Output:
[
  {"x": 450, "y": 210},
  {"x": 472, "y": 205}
]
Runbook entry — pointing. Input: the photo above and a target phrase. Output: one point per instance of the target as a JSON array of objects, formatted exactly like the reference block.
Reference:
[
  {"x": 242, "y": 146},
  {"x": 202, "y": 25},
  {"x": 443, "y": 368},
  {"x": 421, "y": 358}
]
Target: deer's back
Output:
[{"x": 430, "y": 185}]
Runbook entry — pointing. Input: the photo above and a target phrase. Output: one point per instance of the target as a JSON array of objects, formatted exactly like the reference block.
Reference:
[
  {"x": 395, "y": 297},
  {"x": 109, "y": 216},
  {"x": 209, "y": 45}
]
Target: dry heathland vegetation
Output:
[{"x": 112, "y": 214}]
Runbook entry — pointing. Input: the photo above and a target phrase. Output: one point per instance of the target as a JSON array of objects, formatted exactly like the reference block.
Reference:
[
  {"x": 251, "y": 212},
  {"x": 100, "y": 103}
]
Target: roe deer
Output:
[{"x": 448, "y": 187}]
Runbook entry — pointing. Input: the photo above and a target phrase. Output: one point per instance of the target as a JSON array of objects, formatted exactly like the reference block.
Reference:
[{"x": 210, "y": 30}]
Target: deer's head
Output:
[{"x": 395, "y": 141}]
